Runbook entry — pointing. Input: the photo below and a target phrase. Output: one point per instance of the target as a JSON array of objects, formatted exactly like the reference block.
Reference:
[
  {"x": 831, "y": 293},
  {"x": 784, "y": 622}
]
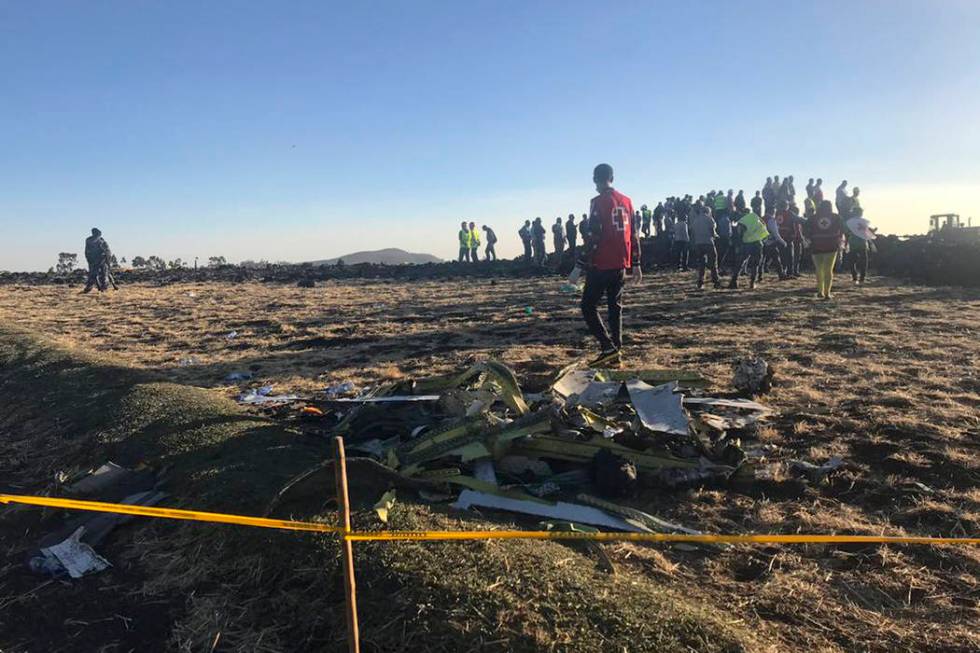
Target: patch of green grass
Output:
[{"x": 280, "y": 591}]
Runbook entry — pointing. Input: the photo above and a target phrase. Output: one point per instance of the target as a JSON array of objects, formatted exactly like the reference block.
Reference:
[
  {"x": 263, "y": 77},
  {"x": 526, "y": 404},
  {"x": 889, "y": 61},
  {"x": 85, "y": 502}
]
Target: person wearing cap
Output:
[{"x": 612, "y": 248}]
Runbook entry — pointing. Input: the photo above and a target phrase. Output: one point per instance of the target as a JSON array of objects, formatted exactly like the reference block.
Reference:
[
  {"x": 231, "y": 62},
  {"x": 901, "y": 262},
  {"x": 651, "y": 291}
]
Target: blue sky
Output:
[{"x": 304, "y": 130}]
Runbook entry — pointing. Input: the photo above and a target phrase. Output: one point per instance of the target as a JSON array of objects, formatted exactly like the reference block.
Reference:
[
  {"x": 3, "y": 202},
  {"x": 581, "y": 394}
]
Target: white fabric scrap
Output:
[{"x": 75, "y": 556}]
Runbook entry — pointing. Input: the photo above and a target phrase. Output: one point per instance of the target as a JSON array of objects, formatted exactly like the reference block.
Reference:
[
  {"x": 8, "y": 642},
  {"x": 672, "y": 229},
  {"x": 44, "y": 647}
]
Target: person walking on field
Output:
[
  {"x": 825, "y": 232},
  {"x": 464, "y": 242},
  {"x": 752, "y": 232},
  {"x": 525, "y": 234},
  {"x": 703, "y": 235},
  {"x": 646, "y": 215},
  {"x": 571, "y": 233},
  {"x": 682, "y": 243},
  {"x": 474, "y": 243},
  {"x": 558, "y": 234},
  {"x": 491, "y": 252},
  {"x": 859, "y": 250},
  {"x": 613, "y": 247},
  {"x": 98, "y": 257}
]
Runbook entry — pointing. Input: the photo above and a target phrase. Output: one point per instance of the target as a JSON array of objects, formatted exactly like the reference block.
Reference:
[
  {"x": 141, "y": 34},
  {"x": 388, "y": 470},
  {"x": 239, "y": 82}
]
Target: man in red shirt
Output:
[{"x": 613, "y": 246}]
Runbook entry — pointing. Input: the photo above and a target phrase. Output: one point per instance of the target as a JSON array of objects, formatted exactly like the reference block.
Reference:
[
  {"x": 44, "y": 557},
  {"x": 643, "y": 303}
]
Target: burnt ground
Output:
[{"x": 884, "y": 376}]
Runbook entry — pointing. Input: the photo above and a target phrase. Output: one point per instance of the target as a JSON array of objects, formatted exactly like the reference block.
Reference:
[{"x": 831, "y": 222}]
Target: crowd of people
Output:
[{"x": 723, "y": 235}]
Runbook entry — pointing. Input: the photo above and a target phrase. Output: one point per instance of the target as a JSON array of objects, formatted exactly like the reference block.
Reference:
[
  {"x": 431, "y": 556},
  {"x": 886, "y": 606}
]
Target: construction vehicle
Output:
[{"x": 949, "y": 226}]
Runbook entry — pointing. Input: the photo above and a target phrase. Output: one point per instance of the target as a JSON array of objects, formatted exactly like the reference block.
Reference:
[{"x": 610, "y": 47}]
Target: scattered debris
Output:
[
  {"x": 384, "y": 505},
  {"x": 345, "y": 388},
  {"x": 71, "y": 556},
  {"x": 264, "y": 396},
  {"x": 815, "y": 473},
  {"x": 238, "y": 376},
  {"x": 753, "y": 376},
  {"x": 608, "y": 432},
  {"x": 69, "y": 550},
  {"x": 562, "y": 511},
  {"x": 231, "y": 335},
  {"x": 614, "y": 475},
  {"x": 660, "y": 409}
]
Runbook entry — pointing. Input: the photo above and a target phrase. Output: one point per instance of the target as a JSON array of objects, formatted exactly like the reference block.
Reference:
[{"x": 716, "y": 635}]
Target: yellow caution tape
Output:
[
  {"x": 169, "y": 513},
  {"x": 434, "y": 536}
]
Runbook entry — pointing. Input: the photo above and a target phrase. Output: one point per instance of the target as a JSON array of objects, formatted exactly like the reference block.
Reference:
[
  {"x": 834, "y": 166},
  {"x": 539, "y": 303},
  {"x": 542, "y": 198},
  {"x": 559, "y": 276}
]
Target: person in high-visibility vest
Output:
[
  {"x": 474, "y": 243},
  {"x": 753, "y": 232},
  {"x": 646, "y": 215},
  {"x": 464, "y": 242}
]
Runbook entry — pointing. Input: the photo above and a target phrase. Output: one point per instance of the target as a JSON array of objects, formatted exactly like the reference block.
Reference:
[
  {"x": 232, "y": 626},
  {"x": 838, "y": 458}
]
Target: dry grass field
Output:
[{"x": 885, "y": 376}]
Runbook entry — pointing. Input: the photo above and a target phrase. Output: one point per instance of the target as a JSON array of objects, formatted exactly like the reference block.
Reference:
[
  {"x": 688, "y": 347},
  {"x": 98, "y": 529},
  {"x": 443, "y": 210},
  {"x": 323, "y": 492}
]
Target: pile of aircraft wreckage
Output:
[{"x": 566, "y": 454}]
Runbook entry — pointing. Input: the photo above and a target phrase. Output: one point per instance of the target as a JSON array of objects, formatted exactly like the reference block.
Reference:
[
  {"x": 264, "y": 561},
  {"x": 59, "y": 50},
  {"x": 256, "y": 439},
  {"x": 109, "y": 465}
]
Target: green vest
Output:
[
  {"x": 721, "y": 202},
  {"x": 755, "y": 229},
  {"x": 464, "y": 238}
]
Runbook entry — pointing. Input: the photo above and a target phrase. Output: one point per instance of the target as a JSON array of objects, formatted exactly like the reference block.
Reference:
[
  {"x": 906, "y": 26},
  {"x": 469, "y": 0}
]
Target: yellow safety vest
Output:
[{"x": 474, "y": 238}]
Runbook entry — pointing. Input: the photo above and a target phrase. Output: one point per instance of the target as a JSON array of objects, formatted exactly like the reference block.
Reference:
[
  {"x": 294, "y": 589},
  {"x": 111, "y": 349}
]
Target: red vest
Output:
[
  {"x": 825, "y": 233},
  {"x": 613, "y": 213},
  {"x": 786, "y": 225}
]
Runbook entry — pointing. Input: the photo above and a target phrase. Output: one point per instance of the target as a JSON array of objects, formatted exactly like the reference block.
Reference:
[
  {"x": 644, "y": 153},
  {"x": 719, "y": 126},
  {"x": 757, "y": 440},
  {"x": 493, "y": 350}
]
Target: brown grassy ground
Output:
[{"x": 885, "y": 376}]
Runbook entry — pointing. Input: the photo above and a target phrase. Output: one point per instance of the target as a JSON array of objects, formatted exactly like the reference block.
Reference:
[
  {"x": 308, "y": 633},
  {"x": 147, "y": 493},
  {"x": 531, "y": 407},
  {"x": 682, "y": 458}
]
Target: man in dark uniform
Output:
[
  {"x": 525, "y": 234},
  {"x": 613, "y": 247},
  {"x": 97, "y": 255},
  {"x": 537, "y": 241},
  {"x": 491, "y": 252},
  {"x": 571, "y": 233}
]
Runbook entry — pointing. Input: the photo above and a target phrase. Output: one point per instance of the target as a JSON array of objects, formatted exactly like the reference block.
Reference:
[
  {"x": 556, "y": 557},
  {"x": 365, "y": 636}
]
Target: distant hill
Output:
[{"x": 390, "y": 256}]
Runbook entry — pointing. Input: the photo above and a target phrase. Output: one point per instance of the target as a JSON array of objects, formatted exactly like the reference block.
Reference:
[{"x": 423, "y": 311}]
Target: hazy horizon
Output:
[{"x": 284, "y": 133}]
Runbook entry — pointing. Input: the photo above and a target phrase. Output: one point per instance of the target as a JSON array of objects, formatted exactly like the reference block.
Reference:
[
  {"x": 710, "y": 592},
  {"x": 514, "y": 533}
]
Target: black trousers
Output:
[
  {"x": 527, "y": 251},
  {"x": 751, "y": 254},
  {"x": 608, "y": 283},
  {"x": 724, "y": 251},
  {"x": 490, "y": 254},
  {"x": 859, "y": 264},
  {"x": 539, "y": 252},
  {"x": 464, "y": 254},
  {"x": 706, "y": 256},
  {"x": 682, "y": 252},
  {"x": 787, "y": 259}
]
